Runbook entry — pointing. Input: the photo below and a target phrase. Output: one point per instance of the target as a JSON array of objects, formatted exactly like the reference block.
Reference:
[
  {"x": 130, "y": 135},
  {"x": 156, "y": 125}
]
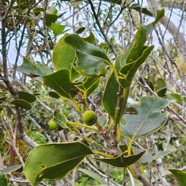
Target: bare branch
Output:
[{"x": 172, "y": 28}]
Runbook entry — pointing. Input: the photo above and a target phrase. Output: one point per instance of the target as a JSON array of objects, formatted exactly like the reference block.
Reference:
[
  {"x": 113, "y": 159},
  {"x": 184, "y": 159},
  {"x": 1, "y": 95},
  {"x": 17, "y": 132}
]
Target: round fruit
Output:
[
  {"x": 53, "y": 125},
  {"x": 90, "y": 117}
]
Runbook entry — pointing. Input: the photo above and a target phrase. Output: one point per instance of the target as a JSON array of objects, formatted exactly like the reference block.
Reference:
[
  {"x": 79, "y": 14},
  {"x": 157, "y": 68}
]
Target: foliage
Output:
[{"x": 68, "y": 115}]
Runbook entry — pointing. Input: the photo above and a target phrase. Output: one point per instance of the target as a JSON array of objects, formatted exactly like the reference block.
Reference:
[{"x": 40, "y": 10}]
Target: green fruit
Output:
[
  {"x": 90, "y": 117},
  {"x": 53, "y": 125}
]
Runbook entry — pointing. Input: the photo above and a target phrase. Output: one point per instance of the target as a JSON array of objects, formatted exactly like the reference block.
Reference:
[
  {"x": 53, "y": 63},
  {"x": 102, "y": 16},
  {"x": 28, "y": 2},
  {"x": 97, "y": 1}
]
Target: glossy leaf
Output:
[
  {"x": 130, "y": 69},
  {"x": 180, "y": 176},
  {"x": 140, "y": 9},
  {"x": 26, "y": 96},
  {"x": 54, "y": 161},
  {"x": 53, "y": 95},
  {"x": 178, "y": 97},
  {"x": 149, "y": 119},
  {"x": 50, "y": 18},
  {"x": 90, "y": 66},
  {"x": 80, "y": 30},
  {"x": 63, "y": 55},
  {"x": 137, "y": 45},
  {"x": 33, "y": 69},
  {"x": 118, "y": 85},
  {"x": 57, "y": 28},
  {"x": 60, "y": 119},
  {"x": 22, "y": 103},
  {"x": 88, "y": 86},
  {"x": 161, "y": 87},
  {"x": 84, "y": 47},
  {"x": 60, "y": 82},
  {"x": 115, "y": 98},
  {"x": 91, "y": 61},
  {"x": 90, "y": 39},
  {"x": 123, "y": 161}
]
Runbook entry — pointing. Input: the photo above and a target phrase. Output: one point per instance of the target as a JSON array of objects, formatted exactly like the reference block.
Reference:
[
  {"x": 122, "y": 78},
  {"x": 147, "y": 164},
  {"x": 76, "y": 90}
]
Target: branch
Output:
[
  {"x": 140, "y": 177},
  {"x": 169, "y": 4},
  {"x": 171, "y": 27},
  {"x": 101, "y": 29}
]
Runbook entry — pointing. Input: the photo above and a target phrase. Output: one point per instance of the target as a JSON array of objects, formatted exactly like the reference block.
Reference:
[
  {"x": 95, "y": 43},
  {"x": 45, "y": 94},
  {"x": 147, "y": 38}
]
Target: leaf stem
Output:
[{"x": 82, "y": 125}]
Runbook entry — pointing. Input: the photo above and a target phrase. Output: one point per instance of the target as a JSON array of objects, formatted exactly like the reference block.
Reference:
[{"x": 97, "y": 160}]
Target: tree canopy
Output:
[{"x": 92, "y": 92}]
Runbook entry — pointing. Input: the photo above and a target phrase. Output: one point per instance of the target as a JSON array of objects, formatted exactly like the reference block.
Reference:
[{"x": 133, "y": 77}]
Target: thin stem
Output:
[
  {"x": 101, "y": 29},
  {"x": 82, "y": 125}
]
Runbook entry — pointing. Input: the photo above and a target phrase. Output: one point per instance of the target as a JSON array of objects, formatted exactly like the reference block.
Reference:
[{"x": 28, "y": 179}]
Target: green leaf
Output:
[
  {"x": 22, "y": 103},
  {"x": 180, "y": 176},
  {"x": 60, "y": 82},
  {"x": 123, "y": 161},
  {"x": 3, "y": 180},
  {"x": 178, "y": 98},
  {"x": 53, "y": 95},
  {"x": 91, "y": 61},
  {"x": 137, "y": 45},
  {"x": 161, "y": 154},
  {"x": 90, "y": 39},
  {"x": 147, "y": 158},
  {"x": 63, "y": 55},
  {"x": 80, "y": 30},
  {"x": 57, "y": 28},
  {"x": 93, "y": 175},
  {"x": 50, "y": 18},
  {"x": 150, "y": 117},
  {"x": 115, "y": 98},
  {"x": 140, "y": 9},
  {"x": 128, "y": 71},
  {"x": 33, "y": 69},
  {"x": 11, "y": 169},
  {"x": 60, "y": 119},
  {"x": 118, "y": 85},
  {"x": 26, "y": 96},
  {"x": 88, "y": 86},
  {"x": 81, "y": 46},
  {"x": 38, "y": 10},
  {"x": 161, "y": 87},
  {"x": 90, "y": 66},
  {"x": 54, "y": 161}
]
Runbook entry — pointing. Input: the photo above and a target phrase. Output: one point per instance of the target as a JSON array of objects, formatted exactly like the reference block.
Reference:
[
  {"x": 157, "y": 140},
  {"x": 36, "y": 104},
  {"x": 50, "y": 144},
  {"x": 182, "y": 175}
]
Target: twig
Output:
[
  {"x": 140, "y": 177},
  {"x": 101, "y": 29},
  {"x": 111, "y": 182}
]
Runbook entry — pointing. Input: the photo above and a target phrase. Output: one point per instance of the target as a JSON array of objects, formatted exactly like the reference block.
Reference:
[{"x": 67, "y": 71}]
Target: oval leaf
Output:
[
  {"x": 22, "y": 103},
  {"x": 123, "y": 161},
  {"x": 10, "y": 169},
  {"x": 54, "y": 161},
  {"x": 26, "y": 96},
  {"x": 60, "y": 119},
  {"x": 33, "y": 69},
  {"x": 63, "y": 55},
  {"x": 57, "y": 28},
  {"x": 60, "y": 82},
  {"x": 149, "y": 117}
]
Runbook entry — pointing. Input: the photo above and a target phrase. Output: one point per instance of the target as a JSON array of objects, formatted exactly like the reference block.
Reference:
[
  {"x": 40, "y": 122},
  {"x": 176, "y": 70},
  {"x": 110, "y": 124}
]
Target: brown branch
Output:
[{"x": 140, "y": 177}]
